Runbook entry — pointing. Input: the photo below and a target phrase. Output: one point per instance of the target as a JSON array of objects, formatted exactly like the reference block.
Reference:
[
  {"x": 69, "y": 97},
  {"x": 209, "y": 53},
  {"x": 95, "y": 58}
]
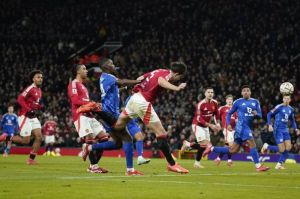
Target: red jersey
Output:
[
  {"x": 205, "y": 111},
  {"x": 29, "y": 99},
  {"x": 223, "y": 110},
  {"x": 78, "y": 95},
  {"x": 149, "y": 87},
  {"x": 49, "y": 128}
]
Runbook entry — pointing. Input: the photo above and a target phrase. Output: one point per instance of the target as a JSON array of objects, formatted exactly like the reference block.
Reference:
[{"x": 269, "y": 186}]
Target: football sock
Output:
[
  {"x": 283, "y": 157},
  {"x": 98, "y": 155},
  {"x": 199, "y": 153},
  {"x": 32, "y": 155},
  {"x": 139, "y": 147},
  {"x": 164, "y": 147},
  {"x": 254, "y": 154},
  {"x": 128, "y": 149},
  {"x": 92, "y": 157}
]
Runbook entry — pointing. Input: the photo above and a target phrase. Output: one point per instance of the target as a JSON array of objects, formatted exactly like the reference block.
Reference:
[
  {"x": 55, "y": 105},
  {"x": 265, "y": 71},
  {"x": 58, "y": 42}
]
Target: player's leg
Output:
[
  {"x": 255, "y": 155},
  {"x": 7, "y": 149},
  {"x": 273, "y": 148},
  {"x": 230, "y": 141},
  {"x": 220, "y": 156},
  {"x": 37, "y": 134},
  {"x": 135, "y": 132},
  {"x": 284, "y": 148},
  {"x": 203, "y": 140}
]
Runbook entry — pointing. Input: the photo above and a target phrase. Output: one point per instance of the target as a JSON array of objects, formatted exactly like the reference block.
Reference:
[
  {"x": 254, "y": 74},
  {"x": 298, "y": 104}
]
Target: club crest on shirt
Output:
[
  {"x": 243, "y": 104},
  {"x": 253, "y": 104},
  {"x": 86, "y": 130}
]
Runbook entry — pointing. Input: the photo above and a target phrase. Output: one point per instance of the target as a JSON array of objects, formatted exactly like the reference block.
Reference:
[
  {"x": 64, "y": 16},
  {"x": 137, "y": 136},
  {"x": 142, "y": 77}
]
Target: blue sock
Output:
[
  {"x": 273, "y": 148},
  {"x": 139, "y": 147},
  {"x": 283, "y": 157},
  {"x": 128, "y": 149},
  {"x": 7, "y": 150},
  {"x": 224, "y": 150},
  {"x": 109, "y": 145},
  {"x": 254, "y": 154}
]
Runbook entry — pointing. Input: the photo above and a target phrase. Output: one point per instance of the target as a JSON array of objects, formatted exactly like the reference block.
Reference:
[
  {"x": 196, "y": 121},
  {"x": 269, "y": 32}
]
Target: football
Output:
[{"x": 286, "y": 88}]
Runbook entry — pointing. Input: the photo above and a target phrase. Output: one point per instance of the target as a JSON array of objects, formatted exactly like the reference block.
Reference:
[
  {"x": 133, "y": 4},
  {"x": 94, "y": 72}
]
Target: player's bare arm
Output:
[{"x": 165, "y": 84}]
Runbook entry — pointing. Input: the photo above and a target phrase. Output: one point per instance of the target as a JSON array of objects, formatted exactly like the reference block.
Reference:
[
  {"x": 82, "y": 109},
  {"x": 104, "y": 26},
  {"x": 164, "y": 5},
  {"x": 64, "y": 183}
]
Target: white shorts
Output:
[
  {"x": 49, "y": 139},
  {"x": 228, "y": 136},
  {"x": 138, "y": 106},
  {"x": 27, "y": 125},
  {"x": 201, "y": 133},
  {"x": 87, "y": 125}
]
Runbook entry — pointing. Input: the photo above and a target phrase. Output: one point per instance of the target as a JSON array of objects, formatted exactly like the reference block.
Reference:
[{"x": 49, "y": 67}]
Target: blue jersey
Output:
[
  {"x": 244, "y": 109},
  {"x": 110, "y": 98},
  {"x": 9, "y": 123},
  {"x": 283, "y": 114}
]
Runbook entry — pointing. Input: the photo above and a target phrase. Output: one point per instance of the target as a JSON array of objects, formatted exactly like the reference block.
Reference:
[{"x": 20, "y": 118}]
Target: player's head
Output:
[
  {"x": 10, "y": 108},
  {"x": 209, "y": 93},
  {"x": 246, "y": 91},
  {"x": 229, "y": 100},
  {"x": 80, "y": 72},
  {"x": 36, "y": 76},
  {"x": 178, "y": 70},
  {"x": 286, "y": 99},
  {"x": 107, "y": 65}
]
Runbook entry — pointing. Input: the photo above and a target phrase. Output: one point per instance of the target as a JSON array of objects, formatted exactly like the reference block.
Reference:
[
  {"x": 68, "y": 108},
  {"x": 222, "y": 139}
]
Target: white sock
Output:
[
  {"x": 130, "y": 169},
  {"x": 229, "y": 160},
  {"x": 278, "y": 164},
  {"x": 197, "y": 162},
  {"x": 218, "y": 158},
  {"x": 257, "y": 165},
  {"x": 140, "y": 157}
]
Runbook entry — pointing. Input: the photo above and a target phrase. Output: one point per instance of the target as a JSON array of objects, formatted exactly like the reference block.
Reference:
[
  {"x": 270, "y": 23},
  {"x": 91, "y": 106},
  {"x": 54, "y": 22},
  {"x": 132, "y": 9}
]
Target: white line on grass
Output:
[{"x": 133, "y": 179}]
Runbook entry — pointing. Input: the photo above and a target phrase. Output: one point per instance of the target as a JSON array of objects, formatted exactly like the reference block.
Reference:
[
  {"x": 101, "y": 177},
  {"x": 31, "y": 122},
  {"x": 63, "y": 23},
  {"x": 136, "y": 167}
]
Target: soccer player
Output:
[
  {"x": 205, "y": 111},
  {"x": 140, "y": 105},
  {"x": 228, "y": 135},
  {"x": 29, "y": 100},
  {"x": 282, "y": 113},
  {"x": 111, "y": 103},
  {"x": 247, "y": 108},
  {"x": 49, "y": 130},
  {"x": 9, "y": 126},
  {"x": 88, "y": 128}
]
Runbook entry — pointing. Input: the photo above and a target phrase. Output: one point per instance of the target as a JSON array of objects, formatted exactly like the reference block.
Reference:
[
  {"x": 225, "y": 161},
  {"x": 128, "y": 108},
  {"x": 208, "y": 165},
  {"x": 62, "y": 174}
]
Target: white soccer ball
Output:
[{"x": 286, "y": 88}]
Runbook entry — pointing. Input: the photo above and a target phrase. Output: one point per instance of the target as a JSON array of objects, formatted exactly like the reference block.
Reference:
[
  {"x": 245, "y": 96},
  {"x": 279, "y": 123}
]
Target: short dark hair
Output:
[
  {"x": 228, "y": 96},
  {"x": 245, "y": 86},
  {"x": 179, "y": 67},
  {"x": 33, "y": 73},
  {"x": 208, "y": 87},
  {"x": 103, "y": 61},
  {"x": 75, "y": 69}
]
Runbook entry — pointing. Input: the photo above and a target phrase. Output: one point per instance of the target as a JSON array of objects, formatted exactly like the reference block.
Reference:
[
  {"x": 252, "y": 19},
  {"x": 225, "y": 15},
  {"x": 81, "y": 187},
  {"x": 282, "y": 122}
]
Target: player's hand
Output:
[
  {"x": 254, "y": 113},
  {"x": 270, "y": 128},
  {"x": 181, "y": 86},
  {"x": 229, "y": 127}
]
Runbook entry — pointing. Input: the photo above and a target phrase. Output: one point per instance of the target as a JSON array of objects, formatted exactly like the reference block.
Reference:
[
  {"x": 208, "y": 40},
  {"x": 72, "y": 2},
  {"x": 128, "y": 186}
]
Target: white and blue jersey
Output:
[
  {"x": 9, "y": 124},
  {"x": 283, "y": 114},
  {"x": 110, "y": 100},
  {"x": 244, "y": 109}
]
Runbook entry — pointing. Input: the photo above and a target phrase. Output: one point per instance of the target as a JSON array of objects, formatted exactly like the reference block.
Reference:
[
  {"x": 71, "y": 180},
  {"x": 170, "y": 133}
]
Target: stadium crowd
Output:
[{"x": 224, "y": 43}]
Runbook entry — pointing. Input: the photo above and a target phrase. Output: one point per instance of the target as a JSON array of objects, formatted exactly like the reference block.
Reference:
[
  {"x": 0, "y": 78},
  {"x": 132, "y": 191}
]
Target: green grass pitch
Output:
[{"x": 66, "y": 177}]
